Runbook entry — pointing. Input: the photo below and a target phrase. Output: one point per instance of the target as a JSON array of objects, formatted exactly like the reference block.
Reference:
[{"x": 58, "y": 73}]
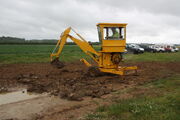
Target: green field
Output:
[
  {"x": 10, "y": 54},
  {"x": 36, "y": 53}
]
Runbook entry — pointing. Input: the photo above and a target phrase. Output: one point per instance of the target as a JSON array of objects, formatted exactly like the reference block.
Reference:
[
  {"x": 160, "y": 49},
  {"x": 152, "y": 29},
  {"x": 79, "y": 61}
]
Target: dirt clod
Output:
[
  {"x": 93, "y": 72},
  {"x": 3, "y": 89}
]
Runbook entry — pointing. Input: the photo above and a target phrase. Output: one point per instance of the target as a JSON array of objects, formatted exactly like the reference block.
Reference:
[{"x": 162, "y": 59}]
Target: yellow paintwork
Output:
[
  {"x": 120, "y": 70},
  {"x": 85, "y": 62},
  {"x": 108, "y": 47},
  {"x": 112, "y": 24}
]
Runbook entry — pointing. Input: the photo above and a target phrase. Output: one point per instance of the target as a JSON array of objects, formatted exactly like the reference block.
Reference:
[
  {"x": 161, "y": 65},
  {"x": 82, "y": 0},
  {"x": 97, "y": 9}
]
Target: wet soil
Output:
[{"x": 73, "y": 82}]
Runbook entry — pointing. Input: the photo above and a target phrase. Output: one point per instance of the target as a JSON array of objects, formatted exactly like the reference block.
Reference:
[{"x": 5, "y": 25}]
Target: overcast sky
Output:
[{"x": 150, "y": 21}]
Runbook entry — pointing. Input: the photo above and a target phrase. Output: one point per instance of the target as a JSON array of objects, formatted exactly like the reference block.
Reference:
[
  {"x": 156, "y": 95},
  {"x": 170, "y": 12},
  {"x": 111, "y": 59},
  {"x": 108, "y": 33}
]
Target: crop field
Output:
[
  {"x": 37, "y": 53},
  {"x": 40, "y": 53},
  {"x": 70, "y": 94}
]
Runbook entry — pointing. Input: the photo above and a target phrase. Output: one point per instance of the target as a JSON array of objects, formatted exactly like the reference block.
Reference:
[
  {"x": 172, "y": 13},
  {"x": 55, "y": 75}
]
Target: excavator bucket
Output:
[{"x": 57, "y": 63}]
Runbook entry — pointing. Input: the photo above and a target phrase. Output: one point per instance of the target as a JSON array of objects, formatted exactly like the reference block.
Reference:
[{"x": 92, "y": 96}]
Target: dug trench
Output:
[{"x": 72, "y": 82}]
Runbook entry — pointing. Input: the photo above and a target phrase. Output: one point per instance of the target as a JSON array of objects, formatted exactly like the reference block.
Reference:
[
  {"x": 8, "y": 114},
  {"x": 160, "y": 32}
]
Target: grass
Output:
[
  {"x": 163, "y": 57},
  {"x": 10, "y": 54},
  {"x": 164, "y": 106},
  {"x": 24, "y": 53}
]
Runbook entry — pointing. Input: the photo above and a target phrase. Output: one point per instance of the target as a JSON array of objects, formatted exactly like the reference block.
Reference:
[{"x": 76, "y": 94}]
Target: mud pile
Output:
[
  {"x": 77, "y": 88},
  {"x": 72, "y": 88},
  {"x": 73, "y": 82}
]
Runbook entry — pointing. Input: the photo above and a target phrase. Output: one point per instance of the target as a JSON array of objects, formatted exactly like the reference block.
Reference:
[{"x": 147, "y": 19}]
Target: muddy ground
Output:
[{"x": 73, "y": 83}]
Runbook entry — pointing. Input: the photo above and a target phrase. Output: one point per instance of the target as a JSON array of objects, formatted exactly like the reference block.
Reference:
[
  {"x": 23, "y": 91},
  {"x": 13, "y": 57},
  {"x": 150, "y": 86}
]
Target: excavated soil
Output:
[{"x": 73, "y": 82}]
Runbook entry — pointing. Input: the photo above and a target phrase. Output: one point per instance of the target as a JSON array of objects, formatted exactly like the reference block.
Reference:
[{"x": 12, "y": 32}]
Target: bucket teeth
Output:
[{"x": 57, "y": 63}]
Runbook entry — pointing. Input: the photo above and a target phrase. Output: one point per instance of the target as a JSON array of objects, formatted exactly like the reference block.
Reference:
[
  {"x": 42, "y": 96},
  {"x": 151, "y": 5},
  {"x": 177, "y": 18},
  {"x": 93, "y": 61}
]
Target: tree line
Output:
[{"x": 15, "y": 40}]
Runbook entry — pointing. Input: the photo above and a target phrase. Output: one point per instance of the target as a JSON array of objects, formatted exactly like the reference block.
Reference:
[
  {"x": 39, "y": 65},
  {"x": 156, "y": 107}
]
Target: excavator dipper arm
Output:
[{"x": 82, "y": 43}]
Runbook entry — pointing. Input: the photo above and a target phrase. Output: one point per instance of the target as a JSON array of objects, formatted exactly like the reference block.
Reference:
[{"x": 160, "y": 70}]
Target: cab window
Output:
[
  {"x": 113, "y": 33},
  {"x": 99, "y": 33}
]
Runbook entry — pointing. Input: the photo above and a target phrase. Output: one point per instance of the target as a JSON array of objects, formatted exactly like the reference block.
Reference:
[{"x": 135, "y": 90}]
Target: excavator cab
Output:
[{"x": 112, "y": 36}]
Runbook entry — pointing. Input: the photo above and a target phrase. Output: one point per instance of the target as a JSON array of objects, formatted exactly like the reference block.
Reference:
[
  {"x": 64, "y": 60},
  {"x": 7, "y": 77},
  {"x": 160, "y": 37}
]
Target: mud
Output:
[
  {"x": 73, "y": 82},
  {"x": 58, "y": 64}
]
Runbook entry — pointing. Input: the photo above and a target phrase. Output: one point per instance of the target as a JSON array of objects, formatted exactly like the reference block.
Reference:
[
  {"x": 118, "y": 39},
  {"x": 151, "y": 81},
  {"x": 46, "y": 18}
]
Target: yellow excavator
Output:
[{"x": 112, "y": 37}]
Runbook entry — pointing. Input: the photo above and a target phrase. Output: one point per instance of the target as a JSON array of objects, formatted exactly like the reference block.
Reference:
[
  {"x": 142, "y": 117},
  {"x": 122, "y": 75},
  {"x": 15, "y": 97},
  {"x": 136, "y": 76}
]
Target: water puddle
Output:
[{"x": 16, "y": 96}]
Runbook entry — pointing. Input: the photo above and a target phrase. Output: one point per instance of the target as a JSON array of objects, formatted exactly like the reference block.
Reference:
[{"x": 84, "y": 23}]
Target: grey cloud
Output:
[
  {"x": 147, "y": 20},
  {"x": 155, "y": 6}
]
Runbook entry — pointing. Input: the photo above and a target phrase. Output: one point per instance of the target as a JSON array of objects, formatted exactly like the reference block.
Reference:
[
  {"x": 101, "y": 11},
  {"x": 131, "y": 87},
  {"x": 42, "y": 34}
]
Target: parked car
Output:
[
  {"x": 168, "y": 48},
  {"x": 134, "y": 48},
  {"x": 147, "y": 48},
  {"x": 125, "y": 51},
  {"x": 158, "y": 48},
  {"x": 174, "y": 49}
]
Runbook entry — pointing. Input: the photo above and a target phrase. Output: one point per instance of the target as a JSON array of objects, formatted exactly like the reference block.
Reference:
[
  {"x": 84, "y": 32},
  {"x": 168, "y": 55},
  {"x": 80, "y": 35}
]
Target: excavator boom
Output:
[{"x": 82, "y": 43}]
